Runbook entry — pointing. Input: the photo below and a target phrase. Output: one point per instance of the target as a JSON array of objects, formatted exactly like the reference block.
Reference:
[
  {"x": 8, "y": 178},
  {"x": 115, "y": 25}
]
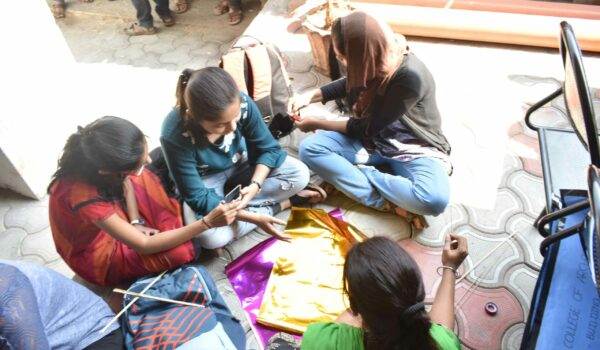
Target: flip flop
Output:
[
  {"x": 221, "y": 8},
  {"x": 235, "y": 16},
  {"x": 297, "y": 200},
  {"x": 135, "y": 29},
  {"x": 328, "y": 188},
  {"x": 181, "y": 6},
  {"x": 168, "y": 20},
  {"x": 58, "y": 10},
  {"x": 417, "y": 221}
]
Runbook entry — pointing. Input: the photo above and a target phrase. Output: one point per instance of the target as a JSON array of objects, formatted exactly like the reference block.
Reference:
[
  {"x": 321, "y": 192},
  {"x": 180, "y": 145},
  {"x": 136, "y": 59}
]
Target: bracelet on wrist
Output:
[
  {"x": 205, "y": 222},
  {"x": 138, "y": 222},
  {"x": 258, "y": 184},
  {"x": 448, "y": 268}
]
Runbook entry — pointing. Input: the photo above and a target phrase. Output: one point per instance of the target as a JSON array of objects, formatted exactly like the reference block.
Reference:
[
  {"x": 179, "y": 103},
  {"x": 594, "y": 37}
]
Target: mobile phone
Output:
[{"x": 233, "y": 194}]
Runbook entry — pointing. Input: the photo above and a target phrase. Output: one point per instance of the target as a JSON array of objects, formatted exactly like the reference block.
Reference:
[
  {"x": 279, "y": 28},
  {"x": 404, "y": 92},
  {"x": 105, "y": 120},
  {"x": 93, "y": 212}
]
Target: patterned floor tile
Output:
[
  {"x": 10, "y": 241},
  {"x": 506, "y": 205},
  {"x": 512, "y": 163},
  {"x": 534, "y": 88},
  {"x": 31, "y": 218},
  {"x": 476, "y": 328},
  {"x": 528, "y": 149},
  {"x": 512, "y": 337},
  {"x": 528, "y": 239},
  {"x": 3, "y": 210},
  {"x": 490, "y": 256},
  {"x": 40, "y": 244},
  {"x": 530, "y": 190},
  {"x": 520, "y": 280}
]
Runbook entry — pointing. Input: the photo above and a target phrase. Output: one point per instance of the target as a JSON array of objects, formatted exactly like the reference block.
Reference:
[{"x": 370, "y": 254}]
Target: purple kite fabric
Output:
[{"x": 249, "y": 274}]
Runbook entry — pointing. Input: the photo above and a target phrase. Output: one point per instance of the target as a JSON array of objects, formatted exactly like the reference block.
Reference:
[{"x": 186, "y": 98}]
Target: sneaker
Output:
[
  {"x": 168, "y": 20},
  {"x": 136, "y": 29}
]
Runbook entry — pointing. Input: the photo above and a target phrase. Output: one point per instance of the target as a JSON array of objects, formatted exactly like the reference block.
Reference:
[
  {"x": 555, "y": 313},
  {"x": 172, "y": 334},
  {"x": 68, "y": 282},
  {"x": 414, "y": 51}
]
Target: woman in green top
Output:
[
  {"x": 386, "y": 293},
  {"x": 215, "y": 139}
]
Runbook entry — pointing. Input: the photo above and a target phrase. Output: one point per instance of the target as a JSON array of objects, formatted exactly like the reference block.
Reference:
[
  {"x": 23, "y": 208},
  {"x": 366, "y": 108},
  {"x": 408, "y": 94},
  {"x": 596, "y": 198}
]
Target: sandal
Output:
[
  {"x": 168, "y": 20},
  {"x": 181, "y": 6},
  {"x": 297, "y": 199},
  {"x": 235, "y": 16},
  {"x": 417, "y": 221},
  {"x": 58, "y": 10},
  {"x": 135, "y": 29},
  {"x": 328, "y": 188},
  {"x": 221, "y": 8}
]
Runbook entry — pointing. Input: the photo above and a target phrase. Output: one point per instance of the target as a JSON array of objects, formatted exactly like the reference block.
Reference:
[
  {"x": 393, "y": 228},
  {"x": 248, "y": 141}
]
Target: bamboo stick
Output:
[
  {"x": 166, "y": 300},
  {"x": 131, "y": 302}
]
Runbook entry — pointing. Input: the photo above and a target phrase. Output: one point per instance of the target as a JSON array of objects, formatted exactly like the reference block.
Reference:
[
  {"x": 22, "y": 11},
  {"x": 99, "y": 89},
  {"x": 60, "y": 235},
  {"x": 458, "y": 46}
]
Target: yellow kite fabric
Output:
[{"x": 306, "y": 281}]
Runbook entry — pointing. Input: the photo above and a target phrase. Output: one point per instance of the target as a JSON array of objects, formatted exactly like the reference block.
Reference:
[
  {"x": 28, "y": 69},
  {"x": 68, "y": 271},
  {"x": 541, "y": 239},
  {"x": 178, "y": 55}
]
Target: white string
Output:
[{"x": 485, "y": 257}]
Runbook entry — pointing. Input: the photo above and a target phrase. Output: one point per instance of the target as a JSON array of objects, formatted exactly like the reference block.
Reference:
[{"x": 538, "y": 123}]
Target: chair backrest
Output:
[{"x": 578, "y": 100}]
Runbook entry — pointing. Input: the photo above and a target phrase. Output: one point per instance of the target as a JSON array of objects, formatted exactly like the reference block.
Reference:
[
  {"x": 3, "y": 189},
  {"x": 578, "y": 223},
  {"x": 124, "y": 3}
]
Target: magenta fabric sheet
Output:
[{"x": 249, "y": 274}]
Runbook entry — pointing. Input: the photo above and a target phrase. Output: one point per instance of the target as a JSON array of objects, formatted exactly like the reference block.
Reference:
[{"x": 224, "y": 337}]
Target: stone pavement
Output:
[{"x": 483, "y": 91}]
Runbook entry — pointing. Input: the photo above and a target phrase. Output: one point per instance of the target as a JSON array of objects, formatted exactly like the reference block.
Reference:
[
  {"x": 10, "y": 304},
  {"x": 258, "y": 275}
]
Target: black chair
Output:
[
  {"x": 567, "y": 285},
  {"x": 580, "y": 112},
  {"x": 563, "y": 156}
]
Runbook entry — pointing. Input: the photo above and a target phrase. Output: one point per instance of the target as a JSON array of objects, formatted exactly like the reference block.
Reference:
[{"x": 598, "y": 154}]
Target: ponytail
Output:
[{"x": 182, "y": 83}]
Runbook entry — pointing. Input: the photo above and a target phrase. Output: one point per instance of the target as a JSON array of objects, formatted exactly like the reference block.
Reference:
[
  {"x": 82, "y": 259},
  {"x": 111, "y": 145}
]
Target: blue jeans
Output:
[
  {"x": 144, "y": 11},
  {"x": 420, "y": 186},
  {"x": 282, "y": 183}
]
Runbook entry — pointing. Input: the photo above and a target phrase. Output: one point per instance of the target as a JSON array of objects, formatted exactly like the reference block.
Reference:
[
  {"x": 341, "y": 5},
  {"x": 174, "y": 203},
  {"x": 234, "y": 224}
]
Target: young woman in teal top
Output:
[
  {"x": 386, "y": 293},
  {"x": 214, "y": 139}
]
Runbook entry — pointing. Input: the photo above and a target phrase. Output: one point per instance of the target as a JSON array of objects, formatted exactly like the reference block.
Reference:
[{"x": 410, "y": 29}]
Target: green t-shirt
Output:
[{"x": 341, "y": 336}]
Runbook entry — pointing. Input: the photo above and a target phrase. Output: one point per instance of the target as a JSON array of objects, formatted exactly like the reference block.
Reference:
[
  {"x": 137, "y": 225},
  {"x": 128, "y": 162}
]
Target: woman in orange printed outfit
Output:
[{"x": 111, "y": 219}]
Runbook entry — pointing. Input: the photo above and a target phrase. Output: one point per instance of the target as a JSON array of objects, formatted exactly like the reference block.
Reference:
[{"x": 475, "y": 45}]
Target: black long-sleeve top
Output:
[{"x": 409, "y": 97}]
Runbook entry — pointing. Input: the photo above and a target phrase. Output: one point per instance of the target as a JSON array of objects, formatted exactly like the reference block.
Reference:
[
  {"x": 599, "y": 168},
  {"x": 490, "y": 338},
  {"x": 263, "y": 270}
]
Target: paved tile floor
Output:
[{"x": 483, "y": 91}]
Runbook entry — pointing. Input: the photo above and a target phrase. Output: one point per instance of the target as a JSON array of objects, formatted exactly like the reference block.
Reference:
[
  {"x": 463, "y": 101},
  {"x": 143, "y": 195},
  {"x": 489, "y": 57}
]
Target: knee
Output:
[
  {"x": 215, "y": 238},
  {"x": 300, "y": 175},
  {"x": 433, "y": 202},
  {"x": 310, "y": 147}
]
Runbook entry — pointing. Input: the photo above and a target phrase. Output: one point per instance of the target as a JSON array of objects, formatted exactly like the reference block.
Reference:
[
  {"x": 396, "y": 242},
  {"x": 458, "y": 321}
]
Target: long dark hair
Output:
[
  {"x": 204, "y": 94},
  {"x": 382, "y": 281},
  {"x": 337, "y": 37},
  {"x": 109, "y": 144}
]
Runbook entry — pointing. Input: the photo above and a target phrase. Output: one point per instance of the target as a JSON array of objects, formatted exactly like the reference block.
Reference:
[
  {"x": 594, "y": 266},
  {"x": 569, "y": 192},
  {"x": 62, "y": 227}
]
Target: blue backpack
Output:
[{"x": 152, "y": 324}]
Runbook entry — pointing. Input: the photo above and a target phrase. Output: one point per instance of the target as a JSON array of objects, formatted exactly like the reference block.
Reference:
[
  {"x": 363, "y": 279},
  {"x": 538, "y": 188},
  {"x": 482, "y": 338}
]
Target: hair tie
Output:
[
  {"x": 412, "y": 310},
  {"x": 185, "y": 77}
]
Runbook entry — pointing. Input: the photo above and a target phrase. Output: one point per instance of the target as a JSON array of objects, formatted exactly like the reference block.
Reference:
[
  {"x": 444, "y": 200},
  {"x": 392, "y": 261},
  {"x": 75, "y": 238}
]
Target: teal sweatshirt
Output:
[{"x": 188, "y": 162}]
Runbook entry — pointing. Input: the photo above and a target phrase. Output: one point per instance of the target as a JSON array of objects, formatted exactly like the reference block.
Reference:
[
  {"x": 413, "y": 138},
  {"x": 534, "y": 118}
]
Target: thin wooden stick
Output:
[
  {"x": 166, "y": 300},
  {"x": 131, "y": 302},
  {"x": 485, "y": 257},
  {"x": 472, "y": 287}
]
